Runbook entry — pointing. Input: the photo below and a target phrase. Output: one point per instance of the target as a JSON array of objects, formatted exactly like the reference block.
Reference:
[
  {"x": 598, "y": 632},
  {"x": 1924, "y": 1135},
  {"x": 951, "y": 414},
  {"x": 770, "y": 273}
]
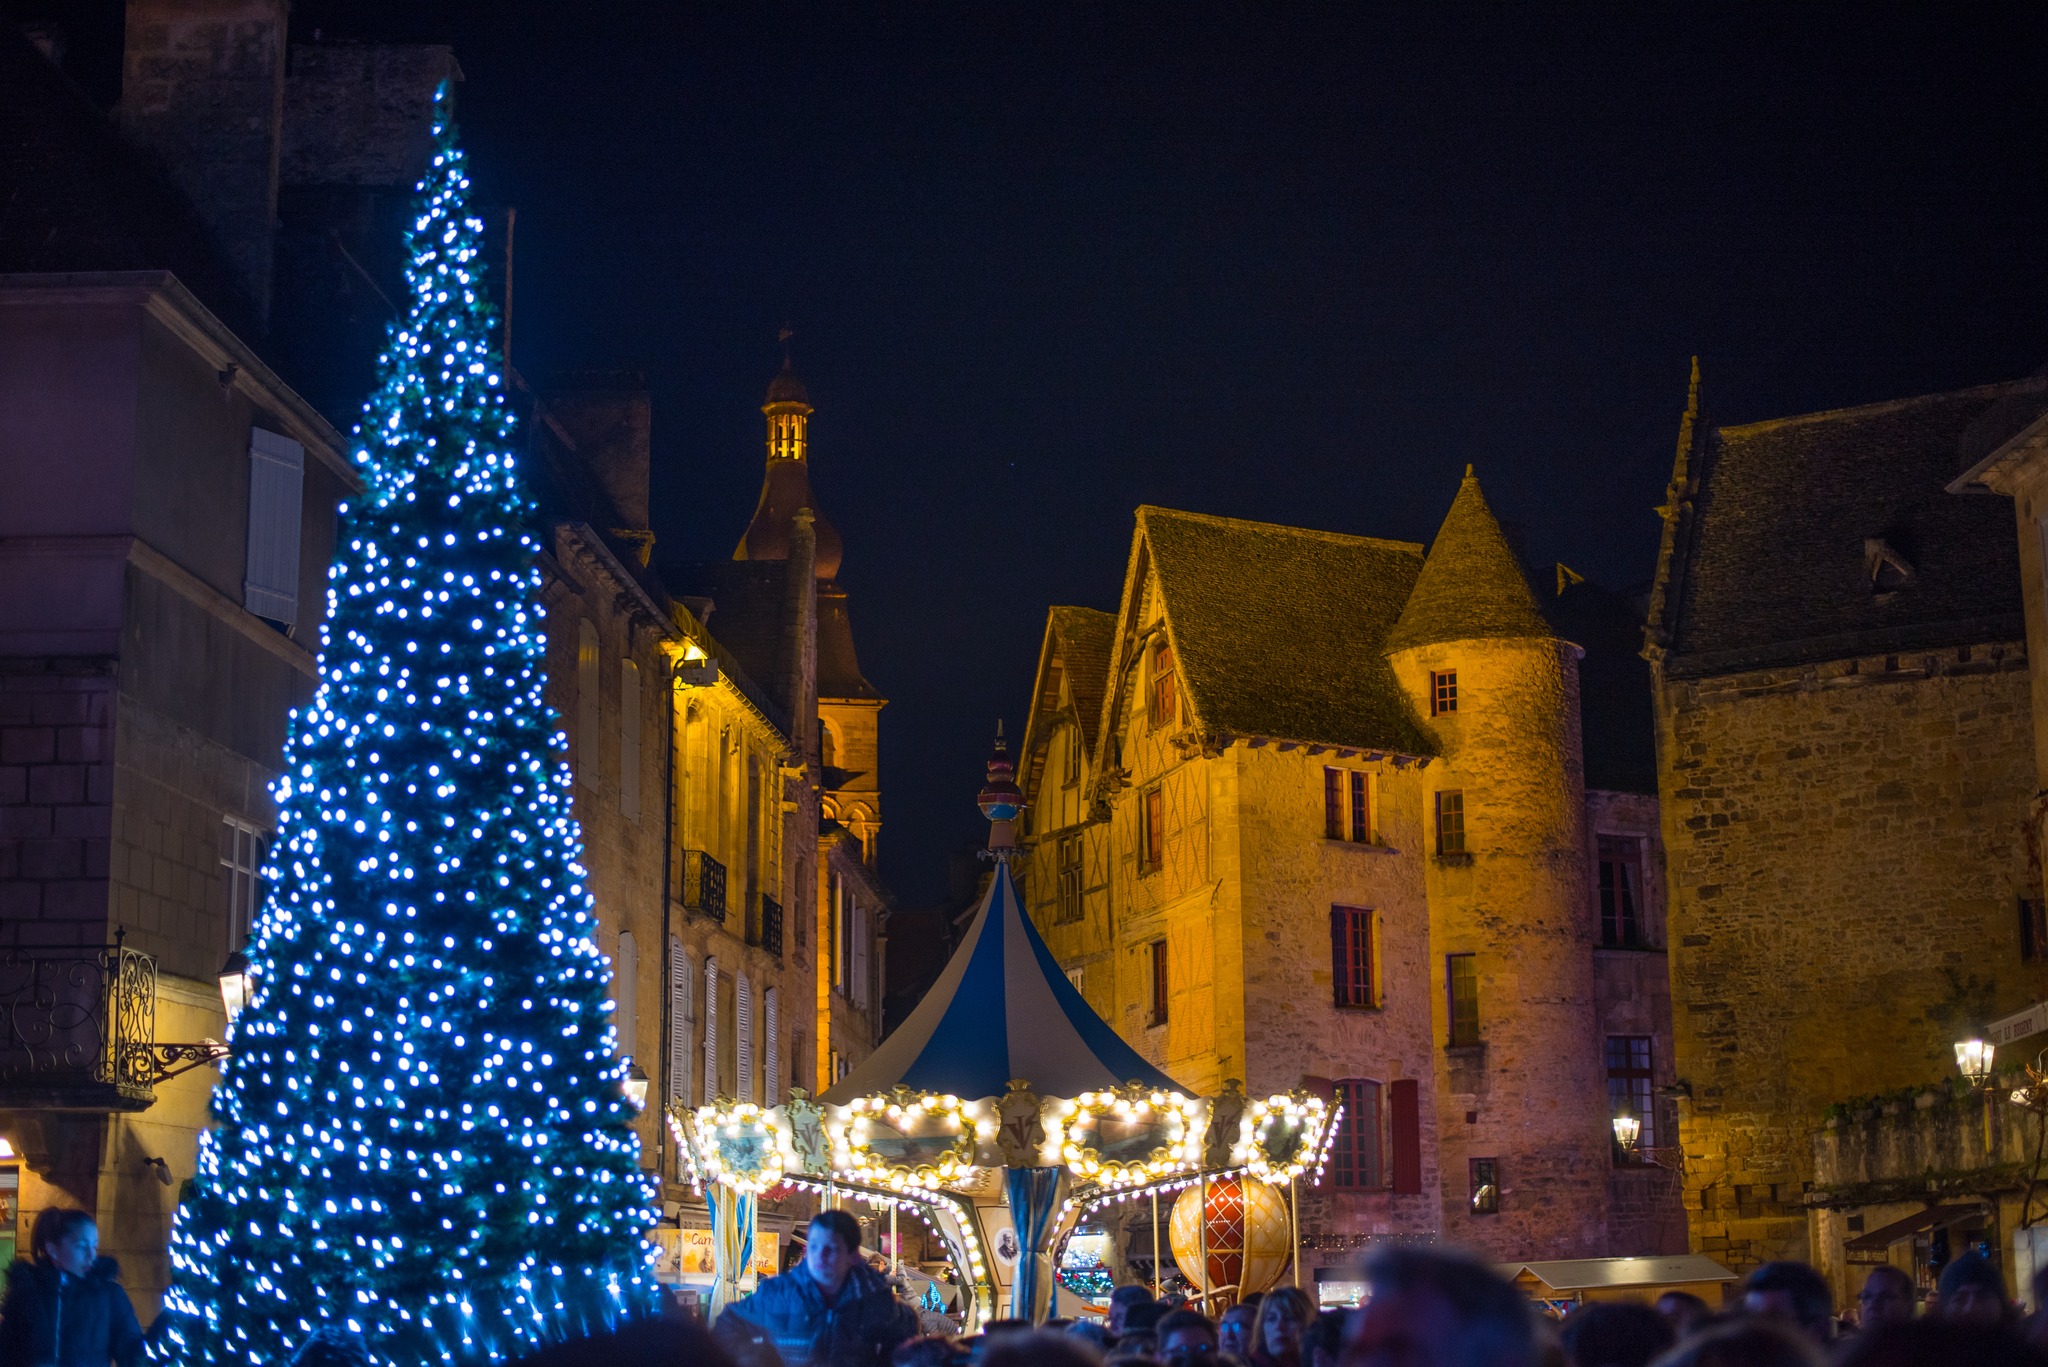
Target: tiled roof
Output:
[
  {"x": 1086, "y": 639},
  {"x": 1774, "y": 563},
  {"x": 75, "y": 197},
  {"x": 1281, "y": 631},
  {"x": 1471, "y": 587}
]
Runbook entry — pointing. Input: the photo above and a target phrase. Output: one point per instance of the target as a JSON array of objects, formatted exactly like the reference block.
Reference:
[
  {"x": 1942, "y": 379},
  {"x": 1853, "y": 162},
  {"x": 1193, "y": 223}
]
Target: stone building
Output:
[
  {"x": 1310, "y": 809},
  {"x": 168, "y": 495},
  {"x": 1845, "y": 775}
]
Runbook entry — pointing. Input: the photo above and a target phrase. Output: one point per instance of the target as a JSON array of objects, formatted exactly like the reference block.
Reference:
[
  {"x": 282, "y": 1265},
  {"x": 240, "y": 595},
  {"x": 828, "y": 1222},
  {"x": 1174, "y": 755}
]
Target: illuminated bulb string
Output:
[{"x": 421, "y": 1136}]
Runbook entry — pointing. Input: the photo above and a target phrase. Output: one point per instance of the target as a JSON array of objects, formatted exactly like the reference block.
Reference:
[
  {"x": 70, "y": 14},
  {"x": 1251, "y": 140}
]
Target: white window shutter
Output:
[
  {"x": 277, "y": 475},
  {"x": 771, "y": 1071},
  {"x": 629, "y": 740},
  {"x": 679, "y": 977},
  {"x": 626, "y": 995},
  {"x": 710, "y": 1029},
  {"x": 743, "y": 1013}
]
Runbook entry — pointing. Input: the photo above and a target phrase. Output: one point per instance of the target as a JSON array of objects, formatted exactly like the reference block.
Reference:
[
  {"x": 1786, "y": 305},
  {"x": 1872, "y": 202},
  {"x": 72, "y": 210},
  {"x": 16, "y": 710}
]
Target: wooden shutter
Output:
[
  {"x": 771, "y": 1022},
  {"x": 629, "y": 740},
  {"x": 1406, "y": 1135},
  {"x": 277, "y": 475},
  {"x": 626, "y": 995},
  {"x": 679, "y": 975},
  {"x": 710, "y": 1029},
  {"x": 743, "y": 1051}
]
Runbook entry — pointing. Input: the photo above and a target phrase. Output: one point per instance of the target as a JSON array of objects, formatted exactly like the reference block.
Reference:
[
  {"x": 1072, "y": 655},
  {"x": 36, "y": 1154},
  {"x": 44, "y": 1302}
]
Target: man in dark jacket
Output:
[
  {"x": 830, "y": 1310},
  {"x": 67, "y": 1308}
]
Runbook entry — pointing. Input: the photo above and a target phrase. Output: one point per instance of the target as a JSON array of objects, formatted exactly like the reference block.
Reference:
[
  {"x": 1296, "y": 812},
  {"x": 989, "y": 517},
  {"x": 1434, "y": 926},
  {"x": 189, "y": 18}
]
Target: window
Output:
[
  {"x": 1443, "y": 692},
  {"x": 629, "y": 740},
  {"x": 1151, "y": 832},
  {"x": 1354, "y": 956},
  {"x": 1461, "y": 977},
  {"x": 828, "y": 747},
  {"x": 1450, "y": 822},
  {"x": 1630, "y": 1084},
  {"x": 1070, "y": 879},
  {"x": 1485, "y": 1186},
  {"x": 1347, "y": 806},
  {"x": 1621, "y": 892},
  {"x": 1355, "y": 1153},
  {"x": 2033, "y": 929},
  {"x": 270, "y": 577},
  {"x": 1162, "y": 696},
  {"x": 1070, "y": 749},
  {"x": 1157, "y": 949},
  {"x": 242, "y": 856},
  {"x": 589, "y": 664}
]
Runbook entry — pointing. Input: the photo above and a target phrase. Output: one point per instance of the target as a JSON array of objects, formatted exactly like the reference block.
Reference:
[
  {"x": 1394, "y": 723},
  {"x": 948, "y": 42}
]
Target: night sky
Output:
[{"x": 1046, "y": 263}]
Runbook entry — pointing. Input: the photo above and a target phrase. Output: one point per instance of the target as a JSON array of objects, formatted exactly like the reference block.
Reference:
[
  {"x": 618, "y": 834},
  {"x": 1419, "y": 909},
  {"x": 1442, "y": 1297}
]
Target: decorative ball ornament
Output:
[
  {"x": 1248, "y": 1241},
  {"x": 1001, "y": 799}
]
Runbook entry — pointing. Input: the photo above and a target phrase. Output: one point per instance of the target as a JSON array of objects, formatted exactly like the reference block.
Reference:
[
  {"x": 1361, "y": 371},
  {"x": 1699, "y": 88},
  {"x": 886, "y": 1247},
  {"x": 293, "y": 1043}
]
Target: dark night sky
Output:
[{"x": 1046, "y": 263}]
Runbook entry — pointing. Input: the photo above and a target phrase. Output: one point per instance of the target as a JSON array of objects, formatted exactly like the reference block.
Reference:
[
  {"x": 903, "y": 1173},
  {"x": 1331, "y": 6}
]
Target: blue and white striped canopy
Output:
[{"x": 1001, "y": 1010}]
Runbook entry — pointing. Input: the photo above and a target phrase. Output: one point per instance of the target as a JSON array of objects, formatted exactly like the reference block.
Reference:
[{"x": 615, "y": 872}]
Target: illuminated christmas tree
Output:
[{"x": 421, "y": 1135}]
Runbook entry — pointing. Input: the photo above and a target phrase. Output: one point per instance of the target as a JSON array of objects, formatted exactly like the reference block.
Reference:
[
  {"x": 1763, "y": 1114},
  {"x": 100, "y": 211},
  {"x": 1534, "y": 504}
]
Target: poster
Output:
[{"x": 686, "y": 1254}]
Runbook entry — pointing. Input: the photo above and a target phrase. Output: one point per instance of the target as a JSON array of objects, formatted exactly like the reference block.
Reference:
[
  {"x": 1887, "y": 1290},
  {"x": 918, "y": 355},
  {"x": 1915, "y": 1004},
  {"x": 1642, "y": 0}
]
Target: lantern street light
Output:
[
  {"x": 635, "y": 1085},
  {"x": 236, "y": 983},
  {"x": 1973, "y": 1056},
  {"x": 1627, "y": 1130}
]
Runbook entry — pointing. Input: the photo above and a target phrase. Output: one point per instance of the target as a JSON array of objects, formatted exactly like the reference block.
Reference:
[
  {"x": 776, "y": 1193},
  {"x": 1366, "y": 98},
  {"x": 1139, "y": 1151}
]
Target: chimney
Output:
[
  {"x": 800, "y": 636},
  {"x": 609, "y": 417},
  {"x": 202, "y": 87}
]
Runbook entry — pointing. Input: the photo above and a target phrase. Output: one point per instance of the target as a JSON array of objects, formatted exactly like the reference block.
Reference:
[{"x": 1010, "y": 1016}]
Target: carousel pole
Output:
[
  {"x": 1156, "y": 1269},
  {"x": 1294, "y": 1228},
  {"x": 1202, "y": 1225},
  {"x": 896, "y": 1247}
]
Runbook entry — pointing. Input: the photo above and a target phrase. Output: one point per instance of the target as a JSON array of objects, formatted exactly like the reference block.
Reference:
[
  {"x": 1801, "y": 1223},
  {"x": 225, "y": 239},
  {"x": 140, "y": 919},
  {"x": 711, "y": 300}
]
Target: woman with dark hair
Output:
[
  {"x": 1283, "y": 1322},
  {"x": 67, "y": 1308}
]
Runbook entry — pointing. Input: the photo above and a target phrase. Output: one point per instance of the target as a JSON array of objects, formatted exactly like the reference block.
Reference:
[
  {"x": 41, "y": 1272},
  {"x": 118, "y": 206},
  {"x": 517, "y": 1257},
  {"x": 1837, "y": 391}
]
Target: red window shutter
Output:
[{"x": 1405, "y": 1099}]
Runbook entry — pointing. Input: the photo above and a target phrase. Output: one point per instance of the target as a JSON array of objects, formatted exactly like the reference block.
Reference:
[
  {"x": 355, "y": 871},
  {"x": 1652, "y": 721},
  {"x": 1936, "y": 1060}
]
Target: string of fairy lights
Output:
[{"x": 422, "y": 1137}]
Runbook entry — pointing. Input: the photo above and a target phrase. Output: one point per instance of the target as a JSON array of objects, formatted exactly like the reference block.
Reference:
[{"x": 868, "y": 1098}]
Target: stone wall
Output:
[
  {"x": 1845, "y": 852},
  {"x": 56, "y": 799}
]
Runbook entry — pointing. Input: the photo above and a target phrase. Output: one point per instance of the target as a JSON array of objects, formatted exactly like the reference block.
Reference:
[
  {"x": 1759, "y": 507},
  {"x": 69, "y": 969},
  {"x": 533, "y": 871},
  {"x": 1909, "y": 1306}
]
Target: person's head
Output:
[
  {"x": 1092, "y": 1332},
  {"x": 1886, "y": 1298},
  {"x": 1436, "y": 1309},
  {"x": 831, "y": 1248},
  {"x": 1972, "y": 1290},
  {"x": 1746, "y": 1342},
  {"x": 1144, "y": 1317},
  {"x": 1615, "y": 1334},
  {"x": 1234, "y": 1329},
  {"x": 1793, "y": 1292},
  {"x": 652, "y": 1342},
  {"x": 1038, "y": 1348},
  {"x": 1938, "y": 1343},
  {"x": 66, "y": 1239},
  {"x": 1324, "y": 1339},
  {"x": 331, "y": 1346},
  {"x": 926, "y": 1350},
  {"x": 1120, "y": 1302},
  {"x": 1283, "y": 1318},
  {"x": 1683, "y": 1311},
  {"x": 1187, "y": 1339}
]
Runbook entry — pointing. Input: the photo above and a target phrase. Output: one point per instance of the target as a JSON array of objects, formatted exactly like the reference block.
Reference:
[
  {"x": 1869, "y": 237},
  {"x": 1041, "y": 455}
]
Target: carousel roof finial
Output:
[{"x": 1002, "y": 801}]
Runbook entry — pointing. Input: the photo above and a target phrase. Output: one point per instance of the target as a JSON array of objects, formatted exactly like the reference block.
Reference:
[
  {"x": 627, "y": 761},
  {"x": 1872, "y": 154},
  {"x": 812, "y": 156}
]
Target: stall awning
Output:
[
  {"x": 1934, "y": 1217},
  {"x": 1002, "y": 1009},
  {"x": 1591, "y": 1274}
]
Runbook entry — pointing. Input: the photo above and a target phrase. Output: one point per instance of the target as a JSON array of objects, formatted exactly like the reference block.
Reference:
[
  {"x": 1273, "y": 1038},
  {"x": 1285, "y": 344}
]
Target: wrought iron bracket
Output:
[{"x": 167, "y": 1061}]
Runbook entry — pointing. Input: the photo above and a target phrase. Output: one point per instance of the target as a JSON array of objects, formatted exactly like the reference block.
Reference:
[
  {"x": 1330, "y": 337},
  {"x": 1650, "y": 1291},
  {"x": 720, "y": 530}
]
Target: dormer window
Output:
[{"x": 1888, "y": 570}]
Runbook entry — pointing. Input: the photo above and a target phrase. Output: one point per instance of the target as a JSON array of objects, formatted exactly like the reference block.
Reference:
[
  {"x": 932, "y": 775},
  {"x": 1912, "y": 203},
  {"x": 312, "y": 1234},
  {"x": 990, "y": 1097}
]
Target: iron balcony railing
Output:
[
  {"x": 771, "y": 925},
  {"x": 701, "y": 884},
  {"x": 77, "y": 1027}
]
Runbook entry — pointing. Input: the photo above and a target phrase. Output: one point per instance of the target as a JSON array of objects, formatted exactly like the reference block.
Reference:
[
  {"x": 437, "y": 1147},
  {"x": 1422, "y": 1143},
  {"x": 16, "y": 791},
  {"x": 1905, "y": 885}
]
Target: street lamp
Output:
[
  {"x": 1627, "y": 1129},
  {"x": 635, "y": 1085},
  {"x": 1973, "y": 1056},
  {"x": 236, "y": 982}
]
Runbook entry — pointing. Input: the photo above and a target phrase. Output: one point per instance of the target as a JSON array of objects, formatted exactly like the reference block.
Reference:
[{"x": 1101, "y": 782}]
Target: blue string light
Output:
[{"x": 421, "y": 1136}]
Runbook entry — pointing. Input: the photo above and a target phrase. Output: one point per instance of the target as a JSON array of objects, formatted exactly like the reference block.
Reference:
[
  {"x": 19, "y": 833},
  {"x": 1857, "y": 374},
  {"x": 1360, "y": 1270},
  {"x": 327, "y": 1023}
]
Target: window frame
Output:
[
  {"x": 1161, "y": 698},
  {"x": 1068, "y": 856},
  {"x": 1151, "y": 830},
  {"x": 1375, "y": 1173},
  {"x": 1354, "y": 958},
  {"x": 1443, "y": 692},
  {"x": 1462, "y": 1027},
  {"x": 247, "y": 847},
  {"x": 1161, "y": 983},
  {"x": 1483, "y": 1184},
  {"x": 1634, "y": 1081},
  {"x": 1333, "y": 802},
  {"x": 1621, "y": 926},
  {"x": 1449, "y": 808}
]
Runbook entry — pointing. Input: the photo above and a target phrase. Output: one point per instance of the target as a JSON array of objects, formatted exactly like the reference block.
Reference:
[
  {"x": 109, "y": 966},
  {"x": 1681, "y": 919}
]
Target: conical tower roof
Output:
[{"x": 1471, "y": 587}]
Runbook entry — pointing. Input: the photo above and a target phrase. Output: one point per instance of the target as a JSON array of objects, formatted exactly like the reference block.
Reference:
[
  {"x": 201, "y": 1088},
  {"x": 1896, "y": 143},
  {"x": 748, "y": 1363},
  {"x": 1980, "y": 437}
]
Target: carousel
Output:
[{"x": 1003, "y": 1114}]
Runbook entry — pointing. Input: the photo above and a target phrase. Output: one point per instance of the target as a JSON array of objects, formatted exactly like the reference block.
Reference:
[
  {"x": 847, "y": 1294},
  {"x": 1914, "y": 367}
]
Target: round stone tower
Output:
[{"x": 1524, "y": 1134}]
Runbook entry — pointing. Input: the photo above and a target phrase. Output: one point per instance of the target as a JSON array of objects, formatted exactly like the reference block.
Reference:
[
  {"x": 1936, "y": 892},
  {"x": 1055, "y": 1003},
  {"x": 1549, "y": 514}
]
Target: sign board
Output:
[{"x": 2031, "y": 1021}]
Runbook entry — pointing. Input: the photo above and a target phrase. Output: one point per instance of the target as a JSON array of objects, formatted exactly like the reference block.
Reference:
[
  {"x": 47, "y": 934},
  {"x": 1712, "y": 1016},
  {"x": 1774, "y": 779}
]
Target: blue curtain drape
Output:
[{"x": 1034, "y": 1195}]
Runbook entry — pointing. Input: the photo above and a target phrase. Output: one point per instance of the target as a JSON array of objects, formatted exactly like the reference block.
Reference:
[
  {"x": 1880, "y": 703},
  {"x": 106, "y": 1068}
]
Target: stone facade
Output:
[
  {"x": 1191, "y": 873},
  {"x": 1845, "y": 779}
]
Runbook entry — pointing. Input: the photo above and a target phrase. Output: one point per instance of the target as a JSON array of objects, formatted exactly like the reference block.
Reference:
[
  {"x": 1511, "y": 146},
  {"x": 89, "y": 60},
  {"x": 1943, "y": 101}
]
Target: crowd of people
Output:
[{"x": 1426, "y": 1308}]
